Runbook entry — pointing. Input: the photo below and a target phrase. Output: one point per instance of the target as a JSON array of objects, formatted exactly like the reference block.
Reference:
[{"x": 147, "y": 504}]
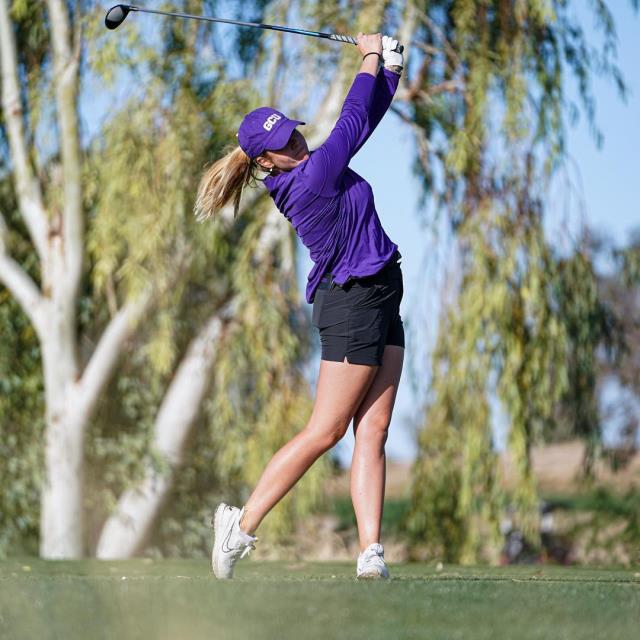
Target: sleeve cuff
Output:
[
  {"x": 393, "y": 70},
  {"x": 365, "y": 77}
]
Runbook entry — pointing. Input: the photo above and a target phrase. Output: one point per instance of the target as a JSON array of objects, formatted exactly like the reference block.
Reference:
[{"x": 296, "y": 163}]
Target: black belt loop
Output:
[{"x": 326, "y": 282}]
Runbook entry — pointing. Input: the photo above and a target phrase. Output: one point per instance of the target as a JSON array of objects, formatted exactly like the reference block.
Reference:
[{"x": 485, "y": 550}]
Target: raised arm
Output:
[
  {"x": 324, "y": 169},
  {"x": 386, "y": 86}
]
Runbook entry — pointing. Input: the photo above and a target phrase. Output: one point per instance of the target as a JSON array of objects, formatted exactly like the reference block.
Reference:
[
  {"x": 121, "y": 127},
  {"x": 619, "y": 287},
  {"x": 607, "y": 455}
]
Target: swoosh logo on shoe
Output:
[{"x": 226, "y": 540}]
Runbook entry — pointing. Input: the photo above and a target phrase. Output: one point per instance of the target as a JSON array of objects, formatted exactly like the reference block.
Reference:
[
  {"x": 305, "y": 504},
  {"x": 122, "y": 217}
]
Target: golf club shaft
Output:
[{"x": 305, "y": 32}]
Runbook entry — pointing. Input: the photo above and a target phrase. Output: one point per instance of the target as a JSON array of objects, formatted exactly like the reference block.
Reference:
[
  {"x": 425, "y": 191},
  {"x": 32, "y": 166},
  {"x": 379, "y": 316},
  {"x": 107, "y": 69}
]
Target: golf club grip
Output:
[{"x": 352, "y": 40}]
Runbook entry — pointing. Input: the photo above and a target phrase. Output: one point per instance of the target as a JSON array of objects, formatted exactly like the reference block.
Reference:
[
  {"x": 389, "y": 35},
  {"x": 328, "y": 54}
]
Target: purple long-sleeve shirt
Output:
[{"x": 330, "y": 206}]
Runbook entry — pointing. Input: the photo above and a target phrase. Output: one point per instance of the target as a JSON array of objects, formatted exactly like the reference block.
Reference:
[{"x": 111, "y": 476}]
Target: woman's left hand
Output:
[{"x": 389, "y": 56}]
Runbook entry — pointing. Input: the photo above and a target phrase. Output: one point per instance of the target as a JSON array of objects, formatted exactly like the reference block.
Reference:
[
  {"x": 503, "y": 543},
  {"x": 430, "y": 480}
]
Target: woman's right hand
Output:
[{"x": 369, "y": 42}]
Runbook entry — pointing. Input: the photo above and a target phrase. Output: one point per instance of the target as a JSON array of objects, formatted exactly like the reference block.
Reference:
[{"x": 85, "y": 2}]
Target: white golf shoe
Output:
[
  {"x": 230, "y": 542},
  {"x": 371, "y": 564}
]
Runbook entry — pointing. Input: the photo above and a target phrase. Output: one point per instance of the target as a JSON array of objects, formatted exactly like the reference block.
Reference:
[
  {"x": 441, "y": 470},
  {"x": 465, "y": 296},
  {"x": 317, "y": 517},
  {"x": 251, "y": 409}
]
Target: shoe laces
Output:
[
  {"x": 371, "y": 554},
  {"x": 246, "y": 549}
]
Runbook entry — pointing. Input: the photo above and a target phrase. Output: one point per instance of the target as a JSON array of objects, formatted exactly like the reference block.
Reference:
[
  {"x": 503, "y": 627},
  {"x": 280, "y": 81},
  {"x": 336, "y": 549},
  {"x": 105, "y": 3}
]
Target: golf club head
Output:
[{"x": 116, "y": 16}]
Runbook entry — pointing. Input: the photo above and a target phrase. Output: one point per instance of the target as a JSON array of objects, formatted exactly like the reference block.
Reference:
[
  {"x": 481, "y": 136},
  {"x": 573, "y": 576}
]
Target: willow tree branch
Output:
[
  {"x": 20, "y": 285},
  {"x": 109, "y": 349},
  {"x": 277, "y": 56},
  {"x": 28, "y": 190},
  {"x": 448, "y": 47},
  {"x": 406, "y": 31}
]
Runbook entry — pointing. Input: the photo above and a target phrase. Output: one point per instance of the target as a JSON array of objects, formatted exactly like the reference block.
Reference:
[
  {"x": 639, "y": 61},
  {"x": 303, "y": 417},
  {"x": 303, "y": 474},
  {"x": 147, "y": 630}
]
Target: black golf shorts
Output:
[{"x": 360, "y": 317}]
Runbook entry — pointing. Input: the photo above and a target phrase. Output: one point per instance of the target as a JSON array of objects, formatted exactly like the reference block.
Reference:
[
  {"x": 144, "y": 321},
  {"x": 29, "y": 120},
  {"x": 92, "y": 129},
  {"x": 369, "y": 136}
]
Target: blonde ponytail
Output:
[{"x": 224, "y": 180}]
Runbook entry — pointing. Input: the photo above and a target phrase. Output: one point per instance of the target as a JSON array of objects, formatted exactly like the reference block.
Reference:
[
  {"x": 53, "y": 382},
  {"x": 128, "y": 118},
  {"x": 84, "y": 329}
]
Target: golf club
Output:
[{"x": 118, "y": 13}]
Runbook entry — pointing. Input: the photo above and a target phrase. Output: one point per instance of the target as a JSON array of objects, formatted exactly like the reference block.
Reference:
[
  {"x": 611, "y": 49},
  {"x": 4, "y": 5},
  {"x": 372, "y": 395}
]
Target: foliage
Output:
[
  {"x": 594, "y": 336},
  {"x": 21, "y": 429},
  {"x": 21, "y": 406},
  {"x": 622, "y": 290},
  {"x": 524, "y": 324}
]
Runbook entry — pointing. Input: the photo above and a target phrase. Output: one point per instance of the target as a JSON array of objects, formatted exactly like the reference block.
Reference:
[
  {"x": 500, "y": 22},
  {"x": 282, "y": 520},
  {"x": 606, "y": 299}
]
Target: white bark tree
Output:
[{"x": 71, "y": 391}]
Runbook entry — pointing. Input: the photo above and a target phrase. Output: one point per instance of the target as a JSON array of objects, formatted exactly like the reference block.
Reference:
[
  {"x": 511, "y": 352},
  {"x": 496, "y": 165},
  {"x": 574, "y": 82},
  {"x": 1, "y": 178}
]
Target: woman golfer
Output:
[{"x": 355, "y": 287}]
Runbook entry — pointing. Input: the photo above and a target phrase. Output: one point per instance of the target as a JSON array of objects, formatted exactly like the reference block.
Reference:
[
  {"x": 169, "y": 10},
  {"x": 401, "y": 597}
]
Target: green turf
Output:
[{"x": 181, "y": 600}]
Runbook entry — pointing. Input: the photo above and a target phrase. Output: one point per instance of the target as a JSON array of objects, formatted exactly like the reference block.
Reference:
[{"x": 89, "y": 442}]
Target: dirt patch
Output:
[{"x": 557, "y": 468}]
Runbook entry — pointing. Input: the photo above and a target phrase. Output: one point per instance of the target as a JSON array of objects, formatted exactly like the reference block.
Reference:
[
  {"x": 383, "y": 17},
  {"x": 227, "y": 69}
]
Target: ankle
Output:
[{"x": 242, "y": 526}]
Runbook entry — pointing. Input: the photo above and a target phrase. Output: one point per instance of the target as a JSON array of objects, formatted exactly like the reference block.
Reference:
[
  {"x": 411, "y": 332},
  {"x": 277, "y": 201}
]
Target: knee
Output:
[
  {"x": 374, "y": 429},
  {"x": 334, "y": 435},
  {"x": 381, "y": 435},
  {"x": 328, "y": 435}
]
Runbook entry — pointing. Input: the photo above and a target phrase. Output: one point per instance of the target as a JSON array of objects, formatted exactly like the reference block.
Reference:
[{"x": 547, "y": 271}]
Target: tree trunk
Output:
[
  {"x": 61, "y": 497},
  {"x": 61, "y": 529}
]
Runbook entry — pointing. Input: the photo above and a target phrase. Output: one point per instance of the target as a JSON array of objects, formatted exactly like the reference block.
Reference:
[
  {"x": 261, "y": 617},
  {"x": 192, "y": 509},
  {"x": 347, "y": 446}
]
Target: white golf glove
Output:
[{"x": 389, "y": 56}]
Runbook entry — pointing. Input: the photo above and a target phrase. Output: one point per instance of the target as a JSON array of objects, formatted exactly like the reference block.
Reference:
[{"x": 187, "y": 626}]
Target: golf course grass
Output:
[{"x": 181, "y": 599}]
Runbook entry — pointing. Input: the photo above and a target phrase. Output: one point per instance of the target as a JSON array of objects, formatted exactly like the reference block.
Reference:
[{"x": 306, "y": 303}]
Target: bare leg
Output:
[
  {"x": 341, "y": 387},
  {"x": 370, "y": 426}
]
